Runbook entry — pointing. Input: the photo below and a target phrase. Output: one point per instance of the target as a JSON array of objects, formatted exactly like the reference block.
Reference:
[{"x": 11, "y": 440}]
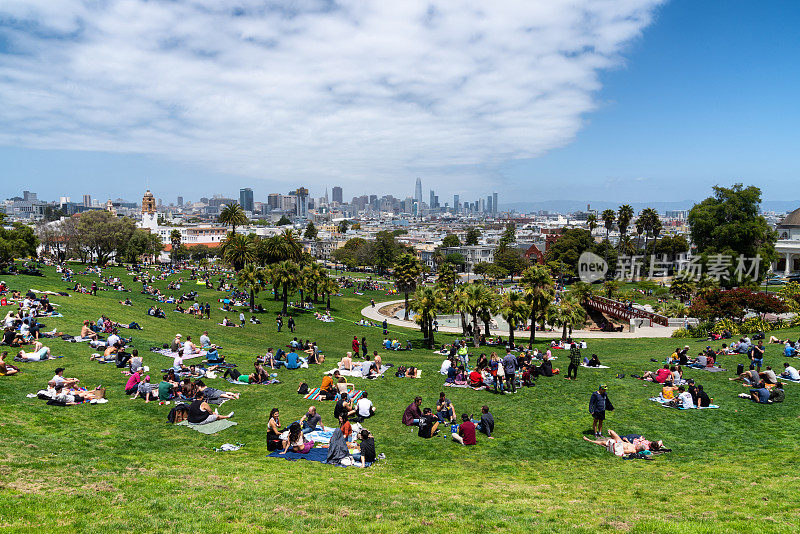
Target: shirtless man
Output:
[
  {"x": 615, "y": 444},
  {"x": 86, "y": 332}
]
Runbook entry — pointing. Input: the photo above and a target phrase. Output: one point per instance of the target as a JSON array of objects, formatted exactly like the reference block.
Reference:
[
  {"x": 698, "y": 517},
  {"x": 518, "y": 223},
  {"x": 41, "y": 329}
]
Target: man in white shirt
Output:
[
  {"x": 205, "y": 341},
  {"x": 790, "y": 372},
  {"x": 364, "y": 407},
  {"x": 189, "y": 347},
  {"x": 684, "y": 398},
  {"x": 112, "y": 340}
]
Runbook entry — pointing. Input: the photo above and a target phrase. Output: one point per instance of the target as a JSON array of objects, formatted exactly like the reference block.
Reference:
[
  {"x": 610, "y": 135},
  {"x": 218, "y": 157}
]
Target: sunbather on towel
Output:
[
  {"x": 200, "y": 412},
  {"x": 615, "y": 444},
  {"x": 212, "y": 394},
  {"x": 40, "y": 352},
  {"x": 86, "y": 331}
]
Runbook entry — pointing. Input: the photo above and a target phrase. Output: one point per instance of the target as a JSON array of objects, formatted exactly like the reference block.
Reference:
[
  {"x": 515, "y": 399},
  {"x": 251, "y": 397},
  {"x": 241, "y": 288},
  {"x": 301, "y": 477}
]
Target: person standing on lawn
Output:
[
  {"x": 598, "y": 404},
  {"x": 574, "y": 362}
]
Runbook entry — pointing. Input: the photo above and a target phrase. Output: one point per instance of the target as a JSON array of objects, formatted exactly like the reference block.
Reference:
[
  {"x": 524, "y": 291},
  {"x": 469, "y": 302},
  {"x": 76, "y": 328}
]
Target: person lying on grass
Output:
[
  {"x": 70, "y": 396},
  {"x": 39, "y": 353},
  {"x": 660, "y": 376},
  {"x": 212, "y": 394},
  {"x": 259, "y": 376},
  {"x": 615, "y": 444},
  {"x": 200, "y": 412},
  {"x": 6, "y": 369}
]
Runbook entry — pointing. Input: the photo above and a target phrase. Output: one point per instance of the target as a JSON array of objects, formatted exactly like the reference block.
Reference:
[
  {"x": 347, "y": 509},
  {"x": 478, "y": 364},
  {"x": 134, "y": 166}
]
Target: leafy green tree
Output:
[
  {"x": 311, "y": 231},
  {"x": 232, "y": 215},
  {"x": 447, "y": 276},
  {"x": 729, "y": 221},
  {"x": 353, "y": 253},
  {"x": 18, "y": 242},
  {"x": 456, "y": 259},
  {"x": 141, "y": 243},
  {"x": 175, "y": 240},
  {"x": 567, "y": 315},
  {"x": 509, "y": 236},
  {"x": 103, "y": 234},
  {"x": 407, "y": 272},
  {"x": 481, "y": 268},
  {"x": 356, "y": 226},
  {"x": 569, "y": 246},
  {"x": 511, "y": 259},
  {"x": 611, "y": 288},
  {"x": 682, "y": 287},
  {"x": 385, "y": 250},
  {"x": 343, "y": 226},
  {"x": 284, "y": 220},
  {"x": 451, "y": 240},
  {"x": 473, "y": 235}
]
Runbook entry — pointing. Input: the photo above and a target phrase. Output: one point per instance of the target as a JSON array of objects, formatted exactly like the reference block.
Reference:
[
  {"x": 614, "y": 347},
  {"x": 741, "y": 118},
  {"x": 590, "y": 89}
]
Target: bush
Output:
[
  {"x": 756, "y": 324},
  {"x": 682, "y": 333},
  {"x": 727, "y": 324}
]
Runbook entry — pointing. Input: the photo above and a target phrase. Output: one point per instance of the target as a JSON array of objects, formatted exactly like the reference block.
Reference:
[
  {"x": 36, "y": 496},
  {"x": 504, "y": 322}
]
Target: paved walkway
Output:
[{"x": 650, "y": 332}]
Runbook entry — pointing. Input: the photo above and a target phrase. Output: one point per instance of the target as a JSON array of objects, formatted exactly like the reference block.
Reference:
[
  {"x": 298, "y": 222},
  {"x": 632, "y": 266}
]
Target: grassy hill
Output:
[{"x": 121, "y": 466}]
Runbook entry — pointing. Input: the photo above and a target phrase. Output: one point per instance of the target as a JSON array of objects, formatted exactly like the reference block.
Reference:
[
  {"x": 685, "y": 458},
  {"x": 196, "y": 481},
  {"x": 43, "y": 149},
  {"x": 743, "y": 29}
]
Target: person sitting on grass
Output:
[
  {"x": 86, "y": 331},
  {"x": 296, "y": 440},
  {"x": 366, "y": 449},
  {"x": 777, "y": 394},
  {"x": 594, "y": 361},
  {"x": 789, "y": 351},
  {"x": 789, "y": 372},
  {"x": 412, "y": 415},
  {"x": 615, "y": 444},
  {"x": 274, "y": 441},
  {"x": 486, "y": 422},
  {"x": 749, "y": 377},
  {"x": 466, "y": 432},
  {"x": 146, "y": 390},
  {"x": 683, "y": 400},
  {"x": 328, "y": 386},
  {"x": 133, "y": 382},
  {"x": 189, "y": 348},
  {"x": 200, "y": 412},
  {"x": 659, "y": 376},
  {"x": 213, "y": 356},
  {"x": 428, "y": 425},
  {"x": 311, "y": 420},
  {"x": 364, "y": 408},
  {"x": 445, "y": 410},
  {"x": 166, "y": 389},
  {"x": 6, "y": 369},
  {"x": 346, "y": 362},
  {"x": 768, "y": 376},
  {"x": 292, "y": 360}
]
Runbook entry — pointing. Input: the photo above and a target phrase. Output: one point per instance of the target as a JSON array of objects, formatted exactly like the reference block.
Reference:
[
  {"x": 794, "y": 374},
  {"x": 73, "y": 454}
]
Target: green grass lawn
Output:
[{"x": 121, "y": 466}]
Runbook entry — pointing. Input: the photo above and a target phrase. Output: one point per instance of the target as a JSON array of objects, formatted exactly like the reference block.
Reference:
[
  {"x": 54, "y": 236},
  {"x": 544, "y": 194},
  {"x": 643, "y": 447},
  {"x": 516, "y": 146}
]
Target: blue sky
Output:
[{"x": 632, "y": 100}]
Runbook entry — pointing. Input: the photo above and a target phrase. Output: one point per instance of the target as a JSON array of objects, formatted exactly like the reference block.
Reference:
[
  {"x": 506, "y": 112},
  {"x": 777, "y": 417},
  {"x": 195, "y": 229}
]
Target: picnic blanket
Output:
[
  {"x": 595, "y": 367},
  {"x": 267, "y": 383},
  {"x": 356, "y": 371},
  {"x": 663, "y": 402},
  {"x": 210, "y": 428},
  {"x": 316, "y": 395},
  {"x": 714, "y": 369},
  {"x": 465, "y": 386},
  {"x": 169, "y": 354},
  {"x": 314, "y": 455},
  {"x": 785, "y": 379}
]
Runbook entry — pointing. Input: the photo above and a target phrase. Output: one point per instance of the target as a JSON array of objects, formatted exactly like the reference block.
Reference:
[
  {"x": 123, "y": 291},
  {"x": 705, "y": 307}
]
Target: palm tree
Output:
[
  {"x": 286, "y": 276},
  {"x": 567, "y": 314},
  {"x": 489, "y": 306},
  {"x": 640, "y": 225},
  {"x": 175, "y": 241},
  {"x": 591, "y": 220},
  {"x": 238, "y": 250},
  {"x": 582, "y": 291},
  {"x": 427, "y": 300},
  {"x": 608, "y": 217},
  {"x": 624, "y": 216},
  {"x": 407, "y": 272},
  {"x": 649, "y": 217},
  {"x": 456, "y": 302},
  {"x": 253, "y": 279},
  {"x": 473, "y": 301},
  {"x": 514, "y": 310},
  {"x": 232, "y": 215},
  {"x": 327, "y": 286},
  {"x": 539, "y": 293}
]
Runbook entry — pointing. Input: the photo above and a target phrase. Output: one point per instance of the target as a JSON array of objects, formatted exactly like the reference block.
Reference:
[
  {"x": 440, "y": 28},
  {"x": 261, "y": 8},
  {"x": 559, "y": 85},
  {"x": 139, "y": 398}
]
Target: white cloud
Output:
[{"x": 367, "y": 94}]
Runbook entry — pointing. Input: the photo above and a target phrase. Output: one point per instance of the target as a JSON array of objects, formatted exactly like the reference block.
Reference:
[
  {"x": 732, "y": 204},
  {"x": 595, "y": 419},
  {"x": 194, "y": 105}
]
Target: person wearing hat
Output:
[
  {"x": 176, "y": 344},
  {"x": 598, "y": 404}
]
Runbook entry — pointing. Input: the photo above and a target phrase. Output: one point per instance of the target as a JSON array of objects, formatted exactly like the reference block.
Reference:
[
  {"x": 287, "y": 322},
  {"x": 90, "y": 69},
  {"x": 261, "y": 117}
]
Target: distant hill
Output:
[{"x": 570, "y": 206}]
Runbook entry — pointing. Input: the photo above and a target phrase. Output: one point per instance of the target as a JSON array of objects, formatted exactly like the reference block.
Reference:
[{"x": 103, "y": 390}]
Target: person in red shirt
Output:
[
  {"x": 476, "y": 379},
  {"x": 355, "y": 345},
  {"x": 659, "y": 376},
  {"x": 466, "y": 432}
]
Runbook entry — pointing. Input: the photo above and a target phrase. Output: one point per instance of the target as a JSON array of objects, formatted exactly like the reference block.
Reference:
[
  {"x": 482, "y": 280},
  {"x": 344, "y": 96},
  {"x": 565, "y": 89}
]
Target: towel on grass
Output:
[
  {"x": 595, "y": 366},
  {"x": 169, "y": 354},
  {"x": 663, "y": 402},
  {"x": 784, "y": 379},
  {"x": 316, "y": 395},
  {"x": 356, "y": 371},
  {"x": 210, "y": 428},
  {"x": 267, "y": 383},
  {"x": 709, "y": 369}
]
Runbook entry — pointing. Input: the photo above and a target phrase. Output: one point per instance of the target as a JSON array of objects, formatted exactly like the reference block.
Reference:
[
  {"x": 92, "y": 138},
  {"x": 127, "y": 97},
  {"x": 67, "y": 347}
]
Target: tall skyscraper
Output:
[
  {"x": 418, "y": 192},
  {"x": 180, "y": 202},
  {"x": 494, "y": 202},
  {"x": 246, "y": 199},
  {"x": 87, "y": 201},
  {"x": 302, "y": 202},
  {"x": 456, "y": 204},
  {"x": 432, "y": 203},
  {"x": 489, "y": 204},
  {"x": 274, "y": 201},
  {"x": 336, "y": 194}
]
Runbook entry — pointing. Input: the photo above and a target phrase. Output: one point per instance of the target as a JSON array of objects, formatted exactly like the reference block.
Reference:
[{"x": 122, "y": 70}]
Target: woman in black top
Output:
[
  {"x": 273, "y": 430},
  {"x": 200, "y": 412}
]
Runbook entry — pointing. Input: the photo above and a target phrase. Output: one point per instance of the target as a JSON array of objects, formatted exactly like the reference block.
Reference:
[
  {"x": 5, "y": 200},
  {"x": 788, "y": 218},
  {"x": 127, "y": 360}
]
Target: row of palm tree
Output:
[
  {"x": 287, "y": 277},
  {"x": 476, "y": 303}
]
